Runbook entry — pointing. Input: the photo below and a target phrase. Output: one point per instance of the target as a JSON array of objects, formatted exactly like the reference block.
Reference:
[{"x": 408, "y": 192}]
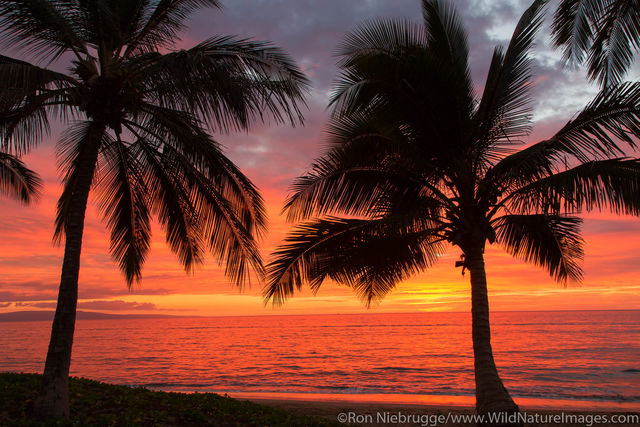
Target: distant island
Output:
[{"x": 40, "y": 315}]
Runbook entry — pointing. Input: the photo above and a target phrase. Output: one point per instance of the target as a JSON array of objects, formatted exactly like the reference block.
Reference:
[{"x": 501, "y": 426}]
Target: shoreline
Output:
[
  {"x": 457, "y": 402},
  {"x": 368, "y": 413},
  {"x": 371, "y": 413}
]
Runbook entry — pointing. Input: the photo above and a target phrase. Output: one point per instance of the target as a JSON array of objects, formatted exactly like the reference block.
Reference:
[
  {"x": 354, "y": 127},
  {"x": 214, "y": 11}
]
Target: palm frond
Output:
[
  {"x": 551, "y": 241},
  {"x": 600, "y": 131},
  {"x": 380, "y": 38},
  {"x": 355, "y": 176},
  {"x": 229, "y": 236},
  {"x": 129, "y": 18},
  {"x": 227, "y": 82},
  {"x": 448, "y": 50},
  {"x": 77, "y": 152},
  {"x": 171, "y": 202},
  {"x": 46, "y": 28},
  {"x": 28, "y": 95},
  {"x": 370, "y": 256},
  {"x": 447, "y": 38},
  {"x": 187, "y": 138},
  {"x": 200, "y": 198},
  {"x": 163, "y": 22},
  {"x": 391, "y": 73},
  {"x": 612, "y": 184},
  {"x": 369, "y": 57},
  {"x": 503, "y": 115},
  {"x": 360, "y": 191},
  {"x": 617, "y": 40},
  {"x": 574, "y": 26},
  {"x": 22, "y": 78},
  {"x": 604, "y": 34},
  {"x": 18, "y": 181},
  {"x": 228, "y": 228},
  {"x": 124, "y": 201},
  {"x": 23, "y": 128},
  {"x": 102, "y": 22}
]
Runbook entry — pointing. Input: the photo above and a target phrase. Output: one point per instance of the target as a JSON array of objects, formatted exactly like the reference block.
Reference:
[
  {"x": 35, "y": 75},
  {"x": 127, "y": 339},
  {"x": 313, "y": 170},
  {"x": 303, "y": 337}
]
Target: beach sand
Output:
[{"x": 376, "y": 413}]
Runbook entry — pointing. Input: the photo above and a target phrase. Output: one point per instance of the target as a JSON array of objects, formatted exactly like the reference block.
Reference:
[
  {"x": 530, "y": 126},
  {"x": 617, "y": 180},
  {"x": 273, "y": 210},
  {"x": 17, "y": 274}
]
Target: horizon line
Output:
[{"x": 163, "y": 315}]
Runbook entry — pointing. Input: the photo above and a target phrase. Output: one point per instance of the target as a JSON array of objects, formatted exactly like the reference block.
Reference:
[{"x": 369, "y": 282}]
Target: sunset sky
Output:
[{"x": 310, "y": 30}]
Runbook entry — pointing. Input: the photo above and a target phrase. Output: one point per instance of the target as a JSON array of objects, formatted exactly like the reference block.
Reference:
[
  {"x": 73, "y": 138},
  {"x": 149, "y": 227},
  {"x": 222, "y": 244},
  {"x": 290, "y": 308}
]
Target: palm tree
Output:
[
  {"x": 418, "y": 161},
  {"x": 603, "y": 33},
  {"x": 138, "y": 116},
  {"x": 16, "y": 180}
]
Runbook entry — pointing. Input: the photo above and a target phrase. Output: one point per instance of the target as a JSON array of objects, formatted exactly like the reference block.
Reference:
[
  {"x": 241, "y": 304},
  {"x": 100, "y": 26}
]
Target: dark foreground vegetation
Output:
[{"x": 93, "y": 403}]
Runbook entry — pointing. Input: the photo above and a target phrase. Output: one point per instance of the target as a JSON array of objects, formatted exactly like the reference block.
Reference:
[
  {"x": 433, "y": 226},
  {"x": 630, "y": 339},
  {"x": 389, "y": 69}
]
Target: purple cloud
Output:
[{"x": 104, "y": 305}]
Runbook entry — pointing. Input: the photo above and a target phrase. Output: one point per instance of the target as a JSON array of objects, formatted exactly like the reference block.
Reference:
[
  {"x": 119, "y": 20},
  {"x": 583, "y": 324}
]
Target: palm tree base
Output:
[{"x": 53, "y": 401}]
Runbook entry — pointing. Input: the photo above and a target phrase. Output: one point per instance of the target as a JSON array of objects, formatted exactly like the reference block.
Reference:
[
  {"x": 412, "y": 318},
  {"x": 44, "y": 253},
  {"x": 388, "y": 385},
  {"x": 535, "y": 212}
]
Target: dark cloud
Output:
[
  {"x": 612, "y": 269},
  {"x": 30, "y": 261},
  {"x": 618, "y": 225},
  {"x": 35, "y": 291},
  {"x": 91, "y": 292},
  {"x": 36, "y": 304},
  {"x": 28, "y": 291},
  {"x": 105, "y": 305},
  {"x": 117, "y": 305},
  {"x": 311, "y": 30}
]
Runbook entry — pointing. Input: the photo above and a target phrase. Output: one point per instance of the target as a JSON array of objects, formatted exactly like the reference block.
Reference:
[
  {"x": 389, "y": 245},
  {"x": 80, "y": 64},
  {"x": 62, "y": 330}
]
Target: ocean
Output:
[{"x": 581, "y": 356}]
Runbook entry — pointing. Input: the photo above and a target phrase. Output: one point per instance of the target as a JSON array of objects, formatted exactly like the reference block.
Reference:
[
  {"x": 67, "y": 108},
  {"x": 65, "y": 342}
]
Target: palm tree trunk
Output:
[
  {"x": 53, "y": 401},
  {"x": 491, "y": 395}
]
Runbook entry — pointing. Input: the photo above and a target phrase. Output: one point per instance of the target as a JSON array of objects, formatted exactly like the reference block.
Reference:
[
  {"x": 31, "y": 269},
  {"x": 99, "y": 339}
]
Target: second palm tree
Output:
[{"x": 420, "y": 163}]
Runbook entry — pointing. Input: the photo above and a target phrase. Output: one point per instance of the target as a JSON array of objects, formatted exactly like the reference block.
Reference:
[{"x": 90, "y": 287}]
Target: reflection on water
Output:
[{"x": 563, "y": 355}]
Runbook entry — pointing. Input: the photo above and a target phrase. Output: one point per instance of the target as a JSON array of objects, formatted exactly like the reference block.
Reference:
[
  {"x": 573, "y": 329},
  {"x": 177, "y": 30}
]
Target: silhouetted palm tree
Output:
[
  {"x": 138, "y": 116},
  {"x": 603, "y": 33},
  {"x": 417, "y": 160},
  {"x": 16, "y": 180}
]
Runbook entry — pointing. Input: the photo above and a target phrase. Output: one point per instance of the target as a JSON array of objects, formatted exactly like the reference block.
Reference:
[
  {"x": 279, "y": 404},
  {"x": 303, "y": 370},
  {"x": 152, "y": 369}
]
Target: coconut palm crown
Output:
[
  {"x": 418, "y": 163},
  {"x": 138, "y": 115},
  {"x": 604, "y": 34}
]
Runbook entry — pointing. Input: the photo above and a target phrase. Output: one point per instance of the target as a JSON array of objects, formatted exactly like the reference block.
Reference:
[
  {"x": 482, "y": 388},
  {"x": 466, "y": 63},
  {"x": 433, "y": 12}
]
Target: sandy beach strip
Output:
[{"x": 441, "y": 410}]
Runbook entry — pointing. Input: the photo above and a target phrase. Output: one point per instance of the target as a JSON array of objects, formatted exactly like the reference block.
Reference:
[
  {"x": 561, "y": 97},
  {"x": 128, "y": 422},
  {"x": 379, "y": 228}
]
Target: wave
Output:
[
  {"x": 402, "y": 369},
  {"x": 239, "y": 387}
]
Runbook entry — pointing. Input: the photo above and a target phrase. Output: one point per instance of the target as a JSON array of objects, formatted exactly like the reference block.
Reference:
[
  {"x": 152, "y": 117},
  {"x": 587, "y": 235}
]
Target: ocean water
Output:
[{"x": 589, "y": 356}]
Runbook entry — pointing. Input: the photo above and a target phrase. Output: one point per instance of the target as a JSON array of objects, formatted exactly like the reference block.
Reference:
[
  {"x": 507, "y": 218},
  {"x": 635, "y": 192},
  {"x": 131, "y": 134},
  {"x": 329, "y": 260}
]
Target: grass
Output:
[{"x": 93, "y": 403}]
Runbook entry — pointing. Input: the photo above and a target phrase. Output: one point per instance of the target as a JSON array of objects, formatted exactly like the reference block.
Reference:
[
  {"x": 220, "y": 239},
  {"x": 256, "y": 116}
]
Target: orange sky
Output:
[
  {"x": 273, "y": 156},
  {"x": 30, "y": 265}
]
